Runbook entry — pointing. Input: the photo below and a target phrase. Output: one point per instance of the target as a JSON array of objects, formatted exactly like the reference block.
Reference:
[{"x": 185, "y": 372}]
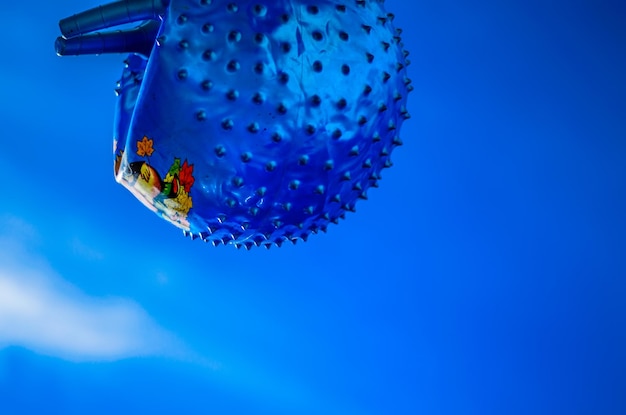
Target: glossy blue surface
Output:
[{"x": 254, "y": 123}]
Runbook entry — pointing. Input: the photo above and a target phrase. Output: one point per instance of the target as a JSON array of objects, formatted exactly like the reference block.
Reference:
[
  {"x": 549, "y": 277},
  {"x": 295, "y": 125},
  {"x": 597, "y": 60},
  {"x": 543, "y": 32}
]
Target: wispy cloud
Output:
[{"x": 41, "y": 311}]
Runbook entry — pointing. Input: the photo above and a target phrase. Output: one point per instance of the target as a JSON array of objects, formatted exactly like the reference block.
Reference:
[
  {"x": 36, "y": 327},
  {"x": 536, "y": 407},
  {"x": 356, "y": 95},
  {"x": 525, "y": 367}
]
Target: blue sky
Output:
[{"x": 486, "y": 275}]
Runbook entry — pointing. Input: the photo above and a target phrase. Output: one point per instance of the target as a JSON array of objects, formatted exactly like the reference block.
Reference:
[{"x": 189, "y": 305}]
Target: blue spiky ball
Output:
[{"x": 259, "y": 122}]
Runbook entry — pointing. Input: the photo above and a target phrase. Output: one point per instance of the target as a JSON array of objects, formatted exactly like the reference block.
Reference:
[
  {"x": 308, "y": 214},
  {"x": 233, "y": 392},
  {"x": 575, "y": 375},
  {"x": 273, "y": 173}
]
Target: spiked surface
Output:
[{"x": 253, "y": 123}]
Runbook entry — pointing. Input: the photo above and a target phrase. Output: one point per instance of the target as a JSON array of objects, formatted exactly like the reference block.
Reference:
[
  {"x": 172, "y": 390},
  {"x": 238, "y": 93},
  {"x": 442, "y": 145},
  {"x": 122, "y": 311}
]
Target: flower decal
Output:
[
  {"x": 178, "y": 182},
  {"x": 144, "y": 147},
  {"x": 182, "y": 203},
  {"x": 186, "y": 176}
]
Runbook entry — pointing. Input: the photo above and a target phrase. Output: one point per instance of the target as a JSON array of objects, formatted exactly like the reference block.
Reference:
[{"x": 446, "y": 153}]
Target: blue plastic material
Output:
[{"x": 252, "y": 122}]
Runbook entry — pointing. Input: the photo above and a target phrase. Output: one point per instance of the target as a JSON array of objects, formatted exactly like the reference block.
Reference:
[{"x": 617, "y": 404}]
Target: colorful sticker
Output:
[{"x": 168, "y": 195}]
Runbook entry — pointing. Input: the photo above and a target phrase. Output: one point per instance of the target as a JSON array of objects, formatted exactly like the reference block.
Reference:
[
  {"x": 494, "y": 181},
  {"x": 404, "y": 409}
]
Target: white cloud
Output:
[{"x": 44, "y": 313}]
